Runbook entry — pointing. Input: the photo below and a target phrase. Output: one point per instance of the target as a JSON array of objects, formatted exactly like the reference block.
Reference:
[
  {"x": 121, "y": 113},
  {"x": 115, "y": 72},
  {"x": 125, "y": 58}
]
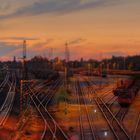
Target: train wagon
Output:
[
  {"x": 93, "y": 73},
  {"x": 127, "y": 94},
  {"x": 122, "y": 86},
  {"x": 126, "y": 97}
]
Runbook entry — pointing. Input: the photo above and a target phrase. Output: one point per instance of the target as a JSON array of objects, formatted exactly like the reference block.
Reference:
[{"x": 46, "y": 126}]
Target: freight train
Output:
[
  {"x": 126, "y": 90},
  {"x": 122, "y": 85},
  {"x": 93, "y": 73}
]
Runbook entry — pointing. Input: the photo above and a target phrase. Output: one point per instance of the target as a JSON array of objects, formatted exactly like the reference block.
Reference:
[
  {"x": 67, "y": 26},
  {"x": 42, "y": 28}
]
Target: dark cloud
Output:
[
  {"x": 117, "y": 53},
  {"x": 7, "y": 47},
  {"x": 18, "y": 38},
  {"x": 8, "y": 44},
  {"x": 40, "y": 46},
  {"x": 57, "y": 7},
  {"x": 15, "y": 48},
  {"x": 76, "y": 41}
]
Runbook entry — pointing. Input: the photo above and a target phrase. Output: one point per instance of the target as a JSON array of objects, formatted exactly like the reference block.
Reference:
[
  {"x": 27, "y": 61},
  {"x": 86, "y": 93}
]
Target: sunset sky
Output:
[{"x": 93, "y": 28}]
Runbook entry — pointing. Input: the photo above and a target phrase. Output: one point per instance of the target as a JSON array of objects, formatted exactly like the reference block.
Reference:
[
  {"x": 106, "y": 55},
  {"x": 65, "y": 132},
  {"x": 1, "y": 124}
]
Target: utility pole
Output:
[
  {"x": 24, "y": 80},
  {"x": 67, "y": 58},
  {"x": 66, "y": 70}
]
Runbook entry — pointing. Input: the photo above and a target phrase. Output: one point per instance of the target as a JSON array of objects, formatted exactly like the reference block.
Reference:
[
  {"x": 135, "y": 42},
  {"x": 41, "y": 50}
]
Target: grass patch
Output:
[{"x": 62, "y": 95}]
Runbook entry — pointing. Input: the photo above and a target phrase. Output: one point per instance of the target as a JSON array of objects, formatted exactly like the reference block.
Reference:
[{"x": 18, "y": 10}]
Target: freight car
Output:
[
  {"x": 93, "y": 73},
  {"x": 122, "y": 85},
  {"x": 127, "y": 92}
]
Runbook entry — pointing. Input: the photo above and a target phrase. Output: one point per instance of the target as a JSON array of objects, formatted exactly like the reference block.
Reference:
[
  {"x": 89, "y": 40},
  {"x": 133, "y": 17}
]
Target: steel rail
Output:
[
  {"x": 85, "y": 105},
  {"x": 48, "y": 114},
  {"x": 136, "y": 128},
  {"x": 102, "y": 106}
]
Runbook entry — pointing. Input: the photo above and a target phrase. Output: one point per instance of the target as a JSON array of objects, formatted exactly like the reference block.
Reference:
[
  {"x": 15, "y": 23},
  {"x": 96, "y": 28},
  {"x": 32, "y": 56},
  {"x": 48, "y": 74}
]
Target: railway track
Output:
[
  {"x": 116, "y": 127},
  {"x": 134, "y": 137},
  {"x": 5, "y": 81},
  {"x": 49, "y": 96},
  {"x": 115, "y": 119},
  {"x": 80, "y": 119},
  {"x": 121, "y": 114},
  {"x": 8, "y": 103},
  {"x": 52, "y": 129},
  {"x": 86, "y": 132},
  {"x": 106, "y": 93}
]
